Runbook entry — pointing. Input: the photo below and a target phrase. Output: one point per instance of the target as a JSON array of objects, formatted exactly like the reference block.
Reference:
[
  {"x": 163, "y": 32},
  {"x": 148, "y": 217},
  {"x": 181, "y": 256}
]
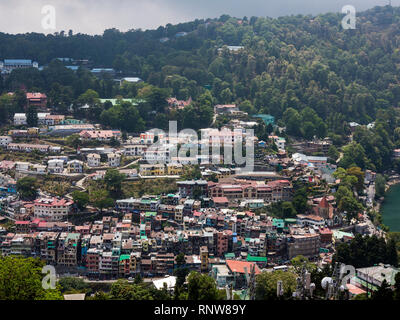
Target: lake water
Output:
[{"x": 391, "y": 208}]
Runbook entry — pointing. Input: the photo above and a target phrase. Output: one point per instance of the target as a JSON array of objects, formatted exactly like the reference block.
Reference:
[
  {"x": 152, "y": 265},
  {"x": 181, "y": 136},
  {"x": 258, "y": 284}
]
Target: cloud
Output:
[{"x": 94, "y": 16}]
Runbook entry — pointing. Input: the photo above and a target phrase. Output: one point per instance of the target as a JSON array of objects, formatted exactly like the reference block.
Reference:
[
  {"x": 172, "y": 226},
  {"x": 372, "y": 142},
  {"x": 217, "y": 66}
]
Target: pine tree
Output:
[
  {"x": 384, "y": 292},
  {"x": 31, "y": 117}
]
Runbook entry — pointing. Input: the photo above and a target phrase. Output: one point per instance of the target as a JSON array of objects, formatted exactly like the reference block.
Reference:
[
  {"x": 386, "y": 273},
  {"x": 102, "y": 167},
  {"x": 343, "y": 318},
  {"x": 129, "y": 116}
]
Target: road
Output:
[{"x": 79, "y": 183}]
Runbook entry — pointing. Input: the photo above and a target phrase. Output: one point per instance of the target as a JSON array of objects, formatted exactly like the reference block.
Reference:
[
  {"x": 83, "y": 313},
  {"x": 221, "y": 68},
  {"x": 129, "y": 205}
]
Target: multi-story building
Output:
[
  {"x": 371, "y": 278},
  {"x": 55, "y": 166},
  {"x": 174, "y": 169},
  {"x": 53, "y": 119},
  {"x": 93, "y": 260},
  {"x": 8, "y": 65},
  {"x": 134, "y": 150},
  {"x": 105, "y": 263},
  {"x": 27, "y": 147},
  {"x": 67, "y": 249},
  {"x": 114, "y": 159},
  {"x": 20, "y": 119},
  {"x": 193, "y": 188},
  {"x": 93, "y": 160},
  {"x": 36, "y": 99},
  {"x": 75, "y": 166},
  {"x": 164, "y": 263},
  {"x": 221, "y": 239},
  {"x": 100, "y": 135},
  {"x": 46, "y": 246},
  {"x": 273, "y": 191},
  {"x": 307, "y": 245},
  {"x": 52, "y": 209},
  {"x": 147, "y": 170},
  {"x": 204, "y": 258}
]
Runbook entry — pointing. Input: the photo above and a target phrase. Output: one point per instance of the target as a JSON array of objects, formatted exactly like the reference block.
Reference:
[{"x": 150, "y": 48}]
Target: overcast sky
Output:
[{"x": 94, "y": 16}]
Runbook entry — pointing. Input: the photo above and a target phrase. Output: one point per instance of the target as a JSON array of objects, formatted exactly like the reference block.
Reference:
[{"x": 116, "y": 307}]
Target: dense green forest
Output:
[{"x": 307, "y": 71}]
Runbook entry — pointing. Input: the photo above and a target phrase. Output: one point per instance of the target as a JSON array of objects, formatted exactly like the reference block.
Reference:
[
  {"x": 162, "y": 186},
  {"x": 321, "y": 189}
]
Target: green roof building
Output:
[
  {"x": 256, "y": 259},
  {"x": 267, "y": 118}
]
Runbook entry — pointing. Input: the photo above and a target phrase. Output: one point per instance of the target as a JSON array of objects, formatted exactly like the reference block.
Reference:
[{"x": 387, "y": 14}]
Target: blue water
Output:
[{"x": 391, "y": 208}]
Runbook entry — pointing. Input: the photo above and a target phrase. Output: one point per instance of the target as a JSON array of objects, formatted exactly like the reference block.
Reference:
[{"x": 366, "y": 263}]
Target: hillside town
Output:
[{"x": 226, "y": 220}]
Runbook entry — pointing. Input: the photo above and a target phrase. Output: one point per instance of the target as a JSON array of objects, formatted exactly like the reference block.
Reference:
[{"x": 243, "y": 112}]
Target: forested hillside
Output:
[{"x": 308, "y": 72}]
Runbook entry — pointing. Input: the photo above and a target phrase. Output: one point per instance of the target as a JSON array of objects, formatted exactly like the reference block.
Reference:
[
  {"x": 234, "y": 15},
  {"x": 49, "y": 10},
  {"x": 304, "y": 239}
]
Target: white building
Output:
[
  {"x": 55, "y": 166},
  {"x": 42, "y": 117},
  {"x": 20, "y": 119},
  {"x": 134, "y": 150},
  {"x": 51, "y": 209},
  {"x": 5, "y": 141},
  {"x": 75, "y": 166},
  {"x": 8, "y": 65},
  {"x": 93, "y": 160},
  {"x": 22, "y": 166},
  {"x": 114, "y": 159},
  {"x": 129, "y": 173},
  {"x": 38, "y": 168},
  {"x": 280, "y": 142}
]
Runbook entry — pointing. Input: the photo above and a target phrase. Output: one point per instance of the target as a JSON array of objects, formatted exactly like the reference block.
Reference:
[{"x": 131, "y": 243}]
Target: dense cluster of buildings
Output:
[{"x": 221, "y": 221}]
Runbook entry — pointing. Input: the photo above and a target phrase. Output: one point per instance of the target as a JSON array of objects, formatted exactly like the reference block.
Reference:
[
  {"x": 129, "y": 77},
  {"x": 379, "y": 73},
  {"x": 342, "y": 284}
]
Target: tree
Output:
[
  {"x": 246, "y": 106},
  {"x": 27, "y": 188},
  {"x": 32, "y": 117},
  {"x": 90, "y": 97},
  {"x": 300, "y": 261},
  {"x": 292, "y": 120},
  {"x": 356, "y": 172},
  {"x": 6, "y": 107},
  {"x": 21, "y": 279},
  {"x": 201, "y": 287},
  {"x": 192, "y": 172},
  {"x": 100, "y": 199},
  {"x": 396, "y": 293},
  {"x": 73, "y": 141},
  {"x": 123, "y": 290},
  {"x": 308, "y": 130},
  {"x": 391, "y": 254},
  {"x": 181, "y": 271},
  {"x": 81, "y": 199},
  {"x": 288, "y": 209},
  {"x": 266, "y": 284},
  {"x": 333, "y": 153},
  {"x": 380, "y": 186},
  {"x": 113, "y": 180},
  {"x": 384, "y": 293},
  {"x": 100, "y": 295},
  {"x": 365, "y": 251},
  {"x": 347, "y": 202},
  {"x": 353, "y": 155},
  {"x": 72, "y": 285},
  {"x": 300, "y": 200}
]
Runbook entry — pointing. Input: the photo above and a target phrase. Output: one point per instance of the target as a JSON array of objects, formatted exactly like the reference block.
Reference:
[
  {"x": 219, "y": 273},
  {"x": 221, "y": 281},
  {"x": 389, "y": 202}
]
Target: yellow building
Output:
[
  {"x": 204, "y": 258},
  {"x": 174, "y": 169},
  {"x": 147, "y": 170}
]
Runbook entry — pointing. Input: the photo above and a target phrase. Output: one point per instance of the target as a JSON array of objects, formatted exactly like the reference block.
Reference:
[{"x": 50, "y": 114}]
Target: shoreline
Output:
[{"x": 392, "y": 181}]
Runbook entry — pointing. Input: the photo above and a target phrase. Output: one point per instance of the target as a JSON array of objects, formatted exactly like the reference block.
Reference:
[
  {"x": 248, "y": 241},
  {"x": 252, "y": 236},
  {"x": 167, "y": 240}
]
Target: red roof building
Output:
[
  {"x": 36, "y": 99},
  {"x": 236, "y": 266}
]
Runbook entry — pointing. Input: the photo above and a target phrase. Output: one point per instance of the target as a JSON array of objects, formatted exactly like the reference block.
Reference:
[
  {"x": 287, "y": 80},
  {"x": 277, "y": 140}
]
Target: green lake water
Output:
[{"x": 391, "y": 208}]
